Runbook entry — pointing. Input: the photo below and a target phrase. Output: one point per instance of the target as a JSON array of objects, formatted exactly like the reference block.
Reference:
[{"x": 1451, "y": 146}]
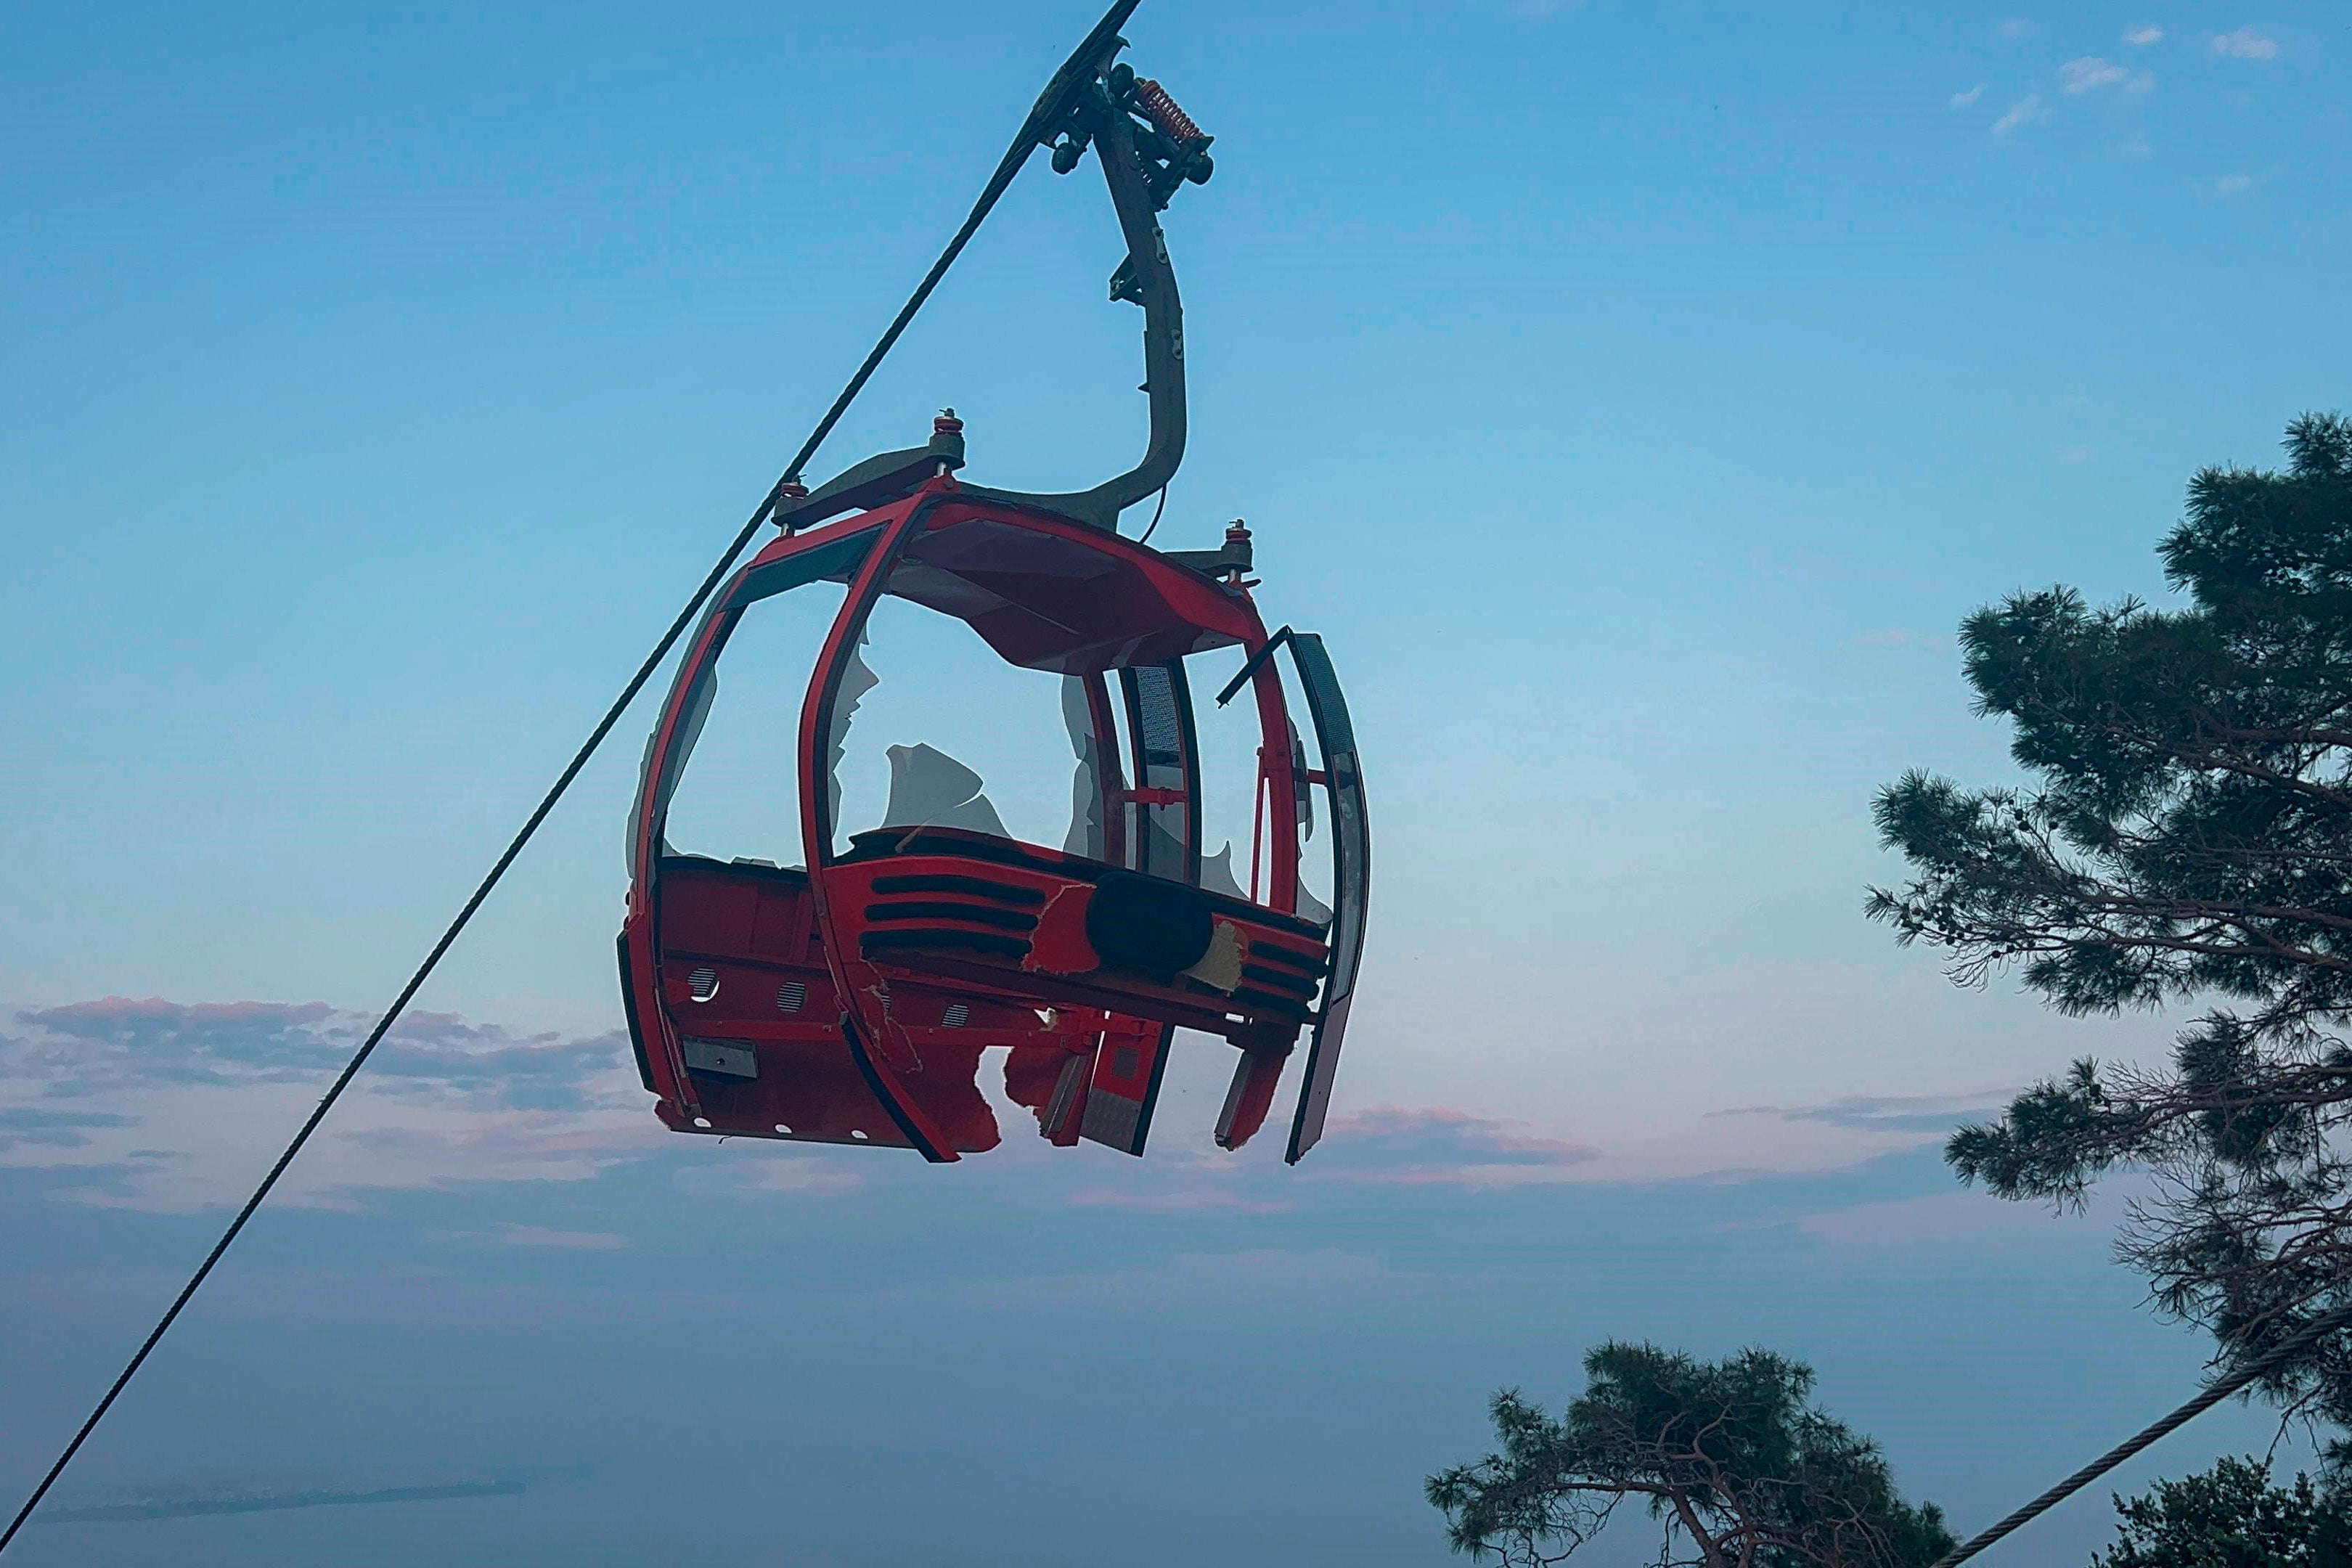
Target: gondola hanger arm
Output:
[{"x": 1148, "y": 148}]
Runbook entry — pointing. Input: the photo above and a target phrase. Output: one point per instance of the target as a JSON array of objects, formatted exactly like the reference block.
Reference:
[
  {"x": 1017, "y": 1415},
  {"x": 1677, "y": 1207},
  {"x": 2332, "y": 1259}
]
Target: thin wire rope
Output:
[
  {"x": 2214, "y": 1396},
  {"x": 1006, "y": 169}
]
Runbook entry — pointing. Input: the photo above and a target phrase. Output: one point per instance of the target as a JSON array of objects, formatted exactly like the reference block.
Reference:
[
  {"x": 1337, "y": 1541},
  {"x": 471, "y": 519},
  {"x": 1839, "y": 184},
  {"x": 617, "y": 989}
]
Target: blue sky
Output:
[{"x": 1635, "y": 397}]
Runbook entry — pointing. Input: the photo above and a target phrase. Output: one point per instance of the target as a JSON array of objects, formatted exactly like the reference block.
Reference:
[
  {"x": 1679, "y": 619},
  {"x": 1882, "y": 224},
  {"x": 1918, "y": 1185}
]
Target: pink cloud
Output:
[
  {"x": 1440, "y": 1146},
  {"x": 152, "y": 1104},
  {"x": 111, "y": 1017}
]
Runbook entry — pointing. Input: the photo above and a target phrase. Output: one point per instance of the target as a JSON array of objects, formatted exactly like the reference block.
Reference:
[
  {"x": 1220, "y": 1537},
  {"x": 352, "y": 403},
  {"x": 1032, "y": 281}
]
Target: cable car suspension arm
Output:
[{"x": 1149, "y": 148}]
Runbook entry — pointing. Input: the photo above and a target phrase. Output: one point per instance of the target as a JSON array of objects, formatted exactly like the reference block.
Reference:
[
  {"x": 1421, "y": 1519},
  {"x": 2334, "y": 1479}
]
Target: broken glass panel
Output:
[
  {"x": 1085, "y": 835},
  {"x": 857, "y": 681},
  {"x": 1217, "y": 873},
  {"x": 930, "y": 789},
  {"x": 932, "y": 728},
  {"x": 739, "y": 798},
  {"x": 1316, "y": 890}
]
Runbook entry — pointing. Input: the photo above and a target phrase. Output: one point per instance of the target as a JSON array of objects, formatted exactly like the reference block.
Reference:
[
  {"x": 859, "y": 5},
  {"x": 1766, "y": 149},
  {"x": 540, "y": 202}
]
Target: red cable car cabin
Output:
[{"x": 850, "y": 1002}]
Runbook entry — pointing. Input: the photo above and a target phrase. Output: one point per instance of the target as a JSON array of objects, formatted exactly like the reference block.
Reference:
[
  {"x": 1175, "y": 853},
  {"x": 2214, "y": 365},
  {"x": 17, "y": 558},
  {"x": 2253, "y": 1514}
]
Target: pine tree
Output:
[
  {"x": 2231, "y": 1517},
  {"x": 1728, "y": 1456},
  {"x": 2186, "y": 838}
]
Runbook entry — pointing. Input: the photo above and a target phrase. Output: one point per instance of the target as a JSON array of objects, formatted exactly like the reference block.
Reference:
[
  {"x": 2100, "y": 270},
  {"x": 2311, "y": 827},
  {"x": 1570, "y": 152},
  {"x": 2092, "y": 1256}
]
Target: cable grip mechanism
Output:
[{"x": 1168, "y": 143}]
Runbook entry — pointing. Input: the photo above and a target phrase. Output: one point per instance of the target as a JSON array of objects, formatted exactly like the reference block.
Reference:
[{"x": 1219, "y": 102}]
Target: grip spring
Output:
[{"x": 1166, "y": 117}]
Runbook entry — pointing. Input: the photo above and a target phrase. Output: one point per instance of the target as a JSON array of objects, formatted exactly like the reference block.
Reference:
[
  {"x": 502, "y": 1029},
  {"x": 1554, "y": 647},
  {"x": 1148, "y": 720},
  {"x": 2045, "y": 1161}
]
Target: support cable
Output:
[
  {"x": 1049, "y": 109},
  {"x": 2317, "y": 1328}
]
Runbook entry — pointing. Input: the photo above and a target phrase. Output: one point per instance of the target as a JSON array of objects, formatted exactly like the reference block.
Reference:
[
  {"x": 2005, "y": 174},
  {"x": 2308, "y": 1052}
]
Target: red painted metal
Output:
[{"x": 852, "y": 1002}]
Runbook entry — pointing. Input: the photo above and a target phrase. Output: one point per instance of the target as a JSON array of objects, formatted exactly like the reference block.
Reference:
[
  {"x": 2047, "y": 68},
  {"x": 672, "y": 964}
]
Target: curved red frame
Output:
[{"x": 895, "y": 963}]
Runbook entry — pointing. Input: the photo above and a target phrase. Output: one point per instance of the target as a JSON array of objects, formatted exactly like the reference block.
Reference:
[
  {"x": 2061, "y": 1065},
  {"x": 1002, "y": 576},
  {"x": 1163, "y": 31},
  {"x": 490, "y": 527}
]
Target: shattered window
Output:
[
  {"x": 1315, "y": 888},
  {"x": 1089, "y": 816},
  {"x": 1239, "y": 818},
  {"x": 932, "y": 728},
  {"x": 1228, "y": 738},
  {"x": 740, "y": 799}
]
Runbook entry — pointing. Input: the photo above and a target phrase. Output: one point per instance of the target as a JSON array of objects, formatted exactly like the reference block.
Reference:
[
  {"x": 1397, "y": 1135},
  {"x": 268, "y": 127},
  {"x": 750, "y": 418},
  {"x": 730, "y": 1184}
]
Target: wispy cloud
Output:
[
  {"x": 1945, "y": 1222},
  {"x": 2145, "y": 34},
  {"x": 2075, "y": 457},
  {"x": 57, "y": 1129},
  {"x": 163, "y": 1107},
  {"x": 1964, "y": 100},
  {"x": 1930, "y": 1117},
  {"x": 118, "y": 1039},
  {"x": 2027, "y": 110},
  {"x": 2245, "y": 44},
  {"x": 2014, "y": 28},
  {"x": 2091, "y": 73},
  {"x": 2233, "y": 184},
  {"x": 764, "y": 1167},
  {"x": 153, "y": 1105},
  {"x": 1439, "y": 1145}
]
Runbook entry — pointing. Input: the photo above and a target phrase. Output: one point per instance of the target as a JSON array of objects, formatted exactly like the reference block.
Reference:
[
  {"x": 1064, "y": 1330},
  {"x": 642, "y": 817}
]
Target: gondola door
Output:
[
  {"x": 730, "y": 1003},
  {"x": 937, "y": 1112},
  {"x": 1342, "y": 776}
]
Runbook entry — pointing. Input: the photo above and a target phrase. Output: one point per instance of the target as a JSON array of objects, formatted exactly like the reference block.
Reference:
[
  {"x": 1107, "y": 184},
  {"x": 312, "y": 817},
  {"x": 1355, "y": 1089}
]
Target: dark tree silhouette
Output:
[
  {"x": 2186, "y": 836},
  {"x": 2231, "y": 1517},
  {"x": 1728, "y": 1456}
]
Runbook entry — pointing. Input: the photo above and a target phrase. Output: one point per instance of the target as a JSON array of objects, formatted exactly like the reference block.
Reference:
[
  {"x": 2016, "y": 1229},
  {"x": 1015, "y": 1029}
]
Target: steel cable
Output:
[
  {"x": 1049, "y": 108},
  {"x": 2230, "y": 1384}
]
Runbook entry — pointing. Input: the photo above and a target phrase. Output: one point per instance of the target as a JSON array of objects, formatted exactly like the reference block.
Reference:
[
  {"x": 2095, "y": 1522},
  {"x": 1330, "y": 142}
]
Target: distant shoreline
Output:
[{"x": 110, "y": 1514}]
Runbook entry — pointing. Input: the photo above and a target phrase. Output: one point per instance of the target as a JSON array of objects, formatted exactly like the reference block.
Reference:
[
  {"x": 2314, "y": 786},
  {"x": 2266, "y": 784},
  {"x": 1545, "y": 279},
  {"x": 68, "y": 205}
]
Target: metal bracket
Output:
[
  {"x": 876, "y": 482},
  {"x": 1250, "y": 668},
  {"x": 1229, "y": 562}
]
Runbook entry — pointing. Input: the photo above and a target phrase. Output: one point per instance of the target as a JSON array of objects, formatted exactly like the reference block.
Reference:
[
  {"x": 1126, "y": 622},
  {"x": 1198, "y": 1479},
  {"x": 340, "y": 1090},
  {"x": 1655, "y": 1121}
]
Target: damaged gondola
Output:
[{"x": 849, "y": 999}]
